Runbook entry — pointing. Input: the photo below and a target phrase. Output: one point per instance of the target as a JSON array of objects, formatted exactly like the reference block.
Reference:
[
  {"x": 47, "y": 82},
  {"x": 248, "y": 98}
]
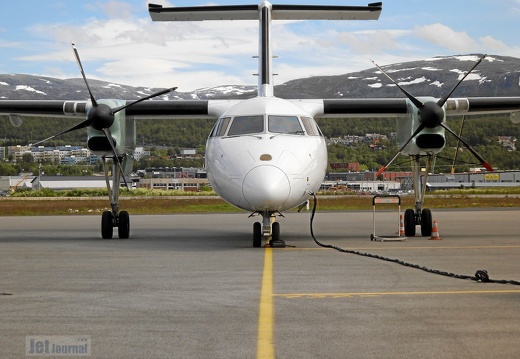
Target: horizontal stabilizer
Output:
[
  {"x": 279, "y": 12},
  {"x": 326, "y": 12}
]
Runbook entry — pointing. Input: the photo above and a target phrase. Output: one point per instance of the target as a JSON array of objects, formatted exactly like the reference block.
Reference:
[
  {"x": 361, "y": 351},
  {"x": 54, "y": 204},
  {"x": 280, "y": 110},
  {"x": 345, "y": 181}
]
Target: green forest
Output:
[
  {"x": 478, "y": 131},
  {"x": 167, "y": 137}
]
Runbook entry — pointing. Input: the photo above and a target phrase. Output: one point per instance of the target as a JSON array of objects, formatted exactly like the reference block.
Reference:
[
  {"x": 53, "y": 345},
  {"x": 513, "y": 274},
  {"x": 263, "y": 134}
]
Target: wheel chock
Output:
[{"x": 277, "y": 244}]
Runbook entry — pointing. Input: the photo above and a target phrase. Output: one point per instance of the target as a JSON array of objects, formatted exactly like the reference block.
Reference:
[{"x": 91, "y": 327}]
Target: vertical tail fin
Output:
[{"x": 264, "y": 13}]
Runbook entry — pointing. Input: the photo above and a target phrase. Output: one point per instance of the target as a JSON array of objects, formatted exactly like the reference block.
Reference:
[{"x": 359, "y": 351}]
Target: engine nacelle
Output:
[
  {"x": 429, "y": 140},
  {"x": 123, "y": 134}
]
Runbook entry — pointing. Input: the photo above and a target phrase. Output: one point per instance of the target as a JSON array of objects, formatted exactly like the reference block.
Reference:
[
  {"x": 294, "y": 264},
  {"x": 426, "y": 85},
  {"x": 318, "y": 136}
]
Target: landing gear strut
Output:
[
  {"x": 419, "y": 216},
  {"x": 269, "y": 228},
  {"x": 114, "y": 218}
]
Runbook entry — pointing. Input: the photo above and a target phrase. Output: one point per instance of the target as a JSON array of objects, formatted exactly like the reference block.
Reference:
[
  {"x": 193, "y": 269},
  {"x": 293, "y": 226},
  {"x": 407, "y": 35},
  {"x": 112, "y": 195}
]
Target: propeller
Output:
[
  {"x": 431, "y": 115},
  {"x": 101, "y": 116}
]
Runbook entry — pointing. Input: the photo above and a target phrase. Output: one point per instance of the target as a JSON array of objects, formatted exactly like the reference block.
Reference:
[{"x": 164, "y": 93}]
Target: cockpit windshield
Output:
[
  {"x": 285, "y": 124},
  {"x": 255, "y": 124},
  {"x": 243, "y": 125}
]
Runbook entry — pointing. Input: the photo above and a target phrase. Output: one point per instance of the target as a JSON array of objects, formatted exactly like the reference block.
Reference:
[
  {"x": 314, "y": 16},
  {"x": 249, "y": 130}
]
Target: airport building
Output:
[{"x": 193, "y": 179}]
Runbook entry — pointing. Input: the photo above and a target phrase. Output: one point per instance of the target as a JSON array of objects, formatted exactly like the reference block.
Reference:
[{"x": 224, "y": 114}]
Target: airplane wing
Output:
[
  {"x": 145, "y": 109},
  {"x": 320, "y": 108},
  {"x": 396, "y": 107}
]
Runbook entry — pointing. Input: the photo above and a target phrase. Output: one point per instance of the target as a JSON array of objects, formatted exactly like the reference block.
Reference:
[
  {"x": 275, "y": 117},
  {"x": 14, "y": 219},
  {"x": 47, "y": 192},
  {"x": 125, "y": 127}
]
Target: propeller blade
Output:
[
  {"x": 483, "y": 162},
  {"x": 414, "y": 100},
  {"x": 444, "y": 98},
  {"x": 76, "y": 54},
  {"x": 77, "y": 127},
  {"x": 117, "y": 109},
  {"x": 382, "y": 169},
  {"x": 108, "y": 136}
]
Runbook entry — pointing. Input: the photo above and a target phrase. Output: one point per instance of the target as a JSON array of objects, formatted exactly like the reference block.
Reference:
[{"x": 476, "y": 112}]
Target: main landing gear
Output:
[
  {"x": 419, "y": 216},
  {"x": 269, "y": 228},
  {"x": 114, "y": 218}
]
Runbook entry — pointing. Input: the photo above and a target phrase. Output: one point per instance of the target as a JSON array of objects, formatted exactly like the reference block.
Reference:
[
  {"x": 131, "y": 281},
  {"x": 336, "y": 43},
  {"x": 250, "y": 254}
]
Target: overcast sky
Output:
[{"x": 119, "y": 43}]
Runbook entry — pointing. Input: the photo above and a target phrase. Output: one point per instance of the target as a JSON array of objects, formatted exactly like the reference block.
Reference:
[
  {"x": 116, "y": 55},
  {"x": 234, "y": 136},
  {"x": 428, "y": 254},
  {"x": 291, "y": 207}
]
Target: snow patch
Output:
[
  {"x": 471, "y": 76},
  {"x": 4, "y": 83},
  {"x": 437, "y": 83},
  {"x": 483, "y": 80},
  {"x": 112, "y": 85},
  {"x": 435, "y": 59},
  {"x": 390, "y": 71},
  {"x": 493, "y": 59},
  {"x": 230, "y": 89},
  {"x": 30, "y": 89},
  {"x": 413, "y": 82},
  {"x": 472, "y": 58},
  {"x": 376, "y": 85}
]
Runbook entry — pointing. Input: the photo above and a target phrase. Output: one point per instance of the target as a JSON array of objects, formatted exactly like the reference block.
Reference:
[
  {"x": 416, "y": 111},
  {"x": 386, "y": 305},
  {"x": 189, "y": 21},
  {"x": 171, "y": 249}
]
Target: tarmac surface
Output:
[{"x": 192, "y": 286}]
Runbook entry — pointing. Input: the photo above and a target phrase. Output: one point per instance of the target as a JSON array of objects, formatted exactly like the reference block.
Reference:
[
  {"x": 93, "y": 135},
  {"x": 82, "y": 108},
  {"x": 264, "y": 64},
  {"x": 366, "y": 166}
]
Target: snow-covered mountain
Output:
[{"x": 495, "y": 76}]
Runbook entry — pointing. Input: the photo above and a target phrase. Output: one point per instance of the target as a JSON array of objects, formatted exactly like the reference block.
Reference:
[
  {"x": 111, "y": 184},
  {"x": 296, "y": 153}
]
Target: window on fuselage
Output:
[
  {"x": 244, "y": 125},
  {"x": 221, "y": 127},
  {"x": 311, "y": 127},
  {"x": 224, "y": 123},
  {"x": 285, "y": 124}
]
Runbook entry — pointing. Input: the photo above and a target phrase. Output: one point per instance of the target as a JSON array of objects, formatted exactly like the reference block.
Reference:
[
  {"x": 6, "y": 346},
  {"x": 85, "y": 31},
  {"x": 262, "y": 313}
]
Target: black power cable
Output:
[{"x": 480, "y": 275}]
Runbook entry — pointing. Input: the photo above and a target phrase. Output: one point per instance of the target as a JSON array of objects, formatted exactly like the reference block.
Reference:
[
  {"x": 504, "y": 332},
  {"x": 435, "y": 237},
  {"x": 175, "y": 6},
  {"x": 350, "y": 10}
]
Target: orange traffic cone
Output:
[
  {"x": 401, "y": 226},
  {"x": 435, "y": 231}
]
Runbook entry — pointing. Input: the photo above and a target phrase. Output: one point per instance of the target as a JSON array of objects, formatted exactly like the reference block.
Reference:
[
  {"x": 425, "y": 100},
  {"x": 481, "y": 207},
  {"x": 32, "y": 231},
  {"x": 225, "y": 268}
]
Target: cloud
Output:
[
  {"x": 459, "y": 41},
  {"x": 116, "y": 9},
  {"x": 370, "y": 42},
  {"x": 120, "y": 43},
  {"x": 443, "y": 36},
  {"x": 127, "y": 47},
  {"x": 491, "y": 44}
]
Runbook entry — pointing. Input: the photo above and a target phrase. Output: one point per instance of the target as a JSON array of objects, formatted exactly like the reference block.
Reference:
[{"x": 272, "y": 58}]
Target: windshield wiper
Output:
[
  {"x": 288, "y": 133},
  {"x": 244, "y": 134}
]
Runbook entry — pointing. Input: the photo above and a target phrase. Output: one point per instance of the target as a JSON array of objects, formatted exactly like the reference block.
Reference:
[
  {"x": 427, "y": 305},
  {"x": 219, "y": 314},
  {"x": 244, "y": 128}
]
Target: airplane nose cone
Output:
[{"x": 266, "y": 187}]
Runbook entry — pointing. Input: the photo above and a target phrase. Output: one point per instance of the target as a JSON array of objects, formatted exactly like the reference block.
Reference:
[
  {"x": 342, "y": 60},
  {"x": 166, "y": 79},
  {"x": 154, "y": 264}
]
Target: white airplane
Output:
[{"x": 265, "y": 155}]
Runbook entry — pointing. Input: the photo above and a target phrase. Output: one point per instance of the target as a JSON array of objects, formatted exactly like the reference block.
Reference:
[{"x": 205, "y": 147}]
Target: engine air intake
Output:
[
  {"x": 430, "y": 140},
  {"x": 100, "y": 143}
]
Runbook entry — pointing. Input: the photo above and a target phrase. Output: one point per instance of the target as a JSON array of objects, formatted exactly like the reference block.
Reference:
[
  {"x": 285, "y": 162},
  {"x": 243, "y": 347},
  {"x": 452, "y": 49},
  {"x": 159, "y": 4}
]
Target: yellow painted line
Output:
[
  {"x": 379, "y": 294},
  {"x": 265, "y": 345}
]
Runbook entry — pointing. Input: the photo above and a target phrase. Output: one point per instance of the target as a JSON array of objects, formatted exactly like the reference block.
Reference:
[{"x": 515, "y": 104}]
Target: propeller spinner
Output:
[{"x": 431, "y": 115}]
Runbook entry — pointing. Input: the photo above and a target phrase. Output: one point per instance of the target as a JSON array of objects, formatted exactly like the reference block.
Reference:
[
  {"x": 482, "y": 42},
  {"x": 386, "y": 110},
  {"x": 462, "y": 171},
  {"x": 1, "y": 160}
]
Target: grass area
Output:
[
  {"x": 16, "y": 206},
  {"x": 141, "y": 205},
  {"x": 102, "y": 192}
]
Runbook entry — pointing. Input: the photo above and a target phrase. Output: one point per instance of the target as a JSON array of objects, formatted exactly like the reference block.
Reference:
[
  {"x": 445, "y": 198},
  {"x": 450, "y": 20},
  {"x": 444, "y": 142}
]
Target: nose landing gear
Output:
[{"x": 268, "y": 229}]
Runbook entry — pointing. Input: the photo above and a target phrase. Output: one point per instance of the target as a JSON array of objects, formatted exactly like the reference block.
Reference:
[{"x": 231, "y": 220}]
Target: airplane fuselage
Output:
[{"x": 265, "y": 154}]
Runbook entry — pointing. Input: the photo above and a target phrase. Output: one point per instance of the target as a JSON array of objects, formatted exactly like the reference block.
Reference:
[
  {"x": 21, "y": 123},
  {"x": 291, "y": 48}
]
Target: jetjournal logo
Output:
[{"x": 57, "y": 345}]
